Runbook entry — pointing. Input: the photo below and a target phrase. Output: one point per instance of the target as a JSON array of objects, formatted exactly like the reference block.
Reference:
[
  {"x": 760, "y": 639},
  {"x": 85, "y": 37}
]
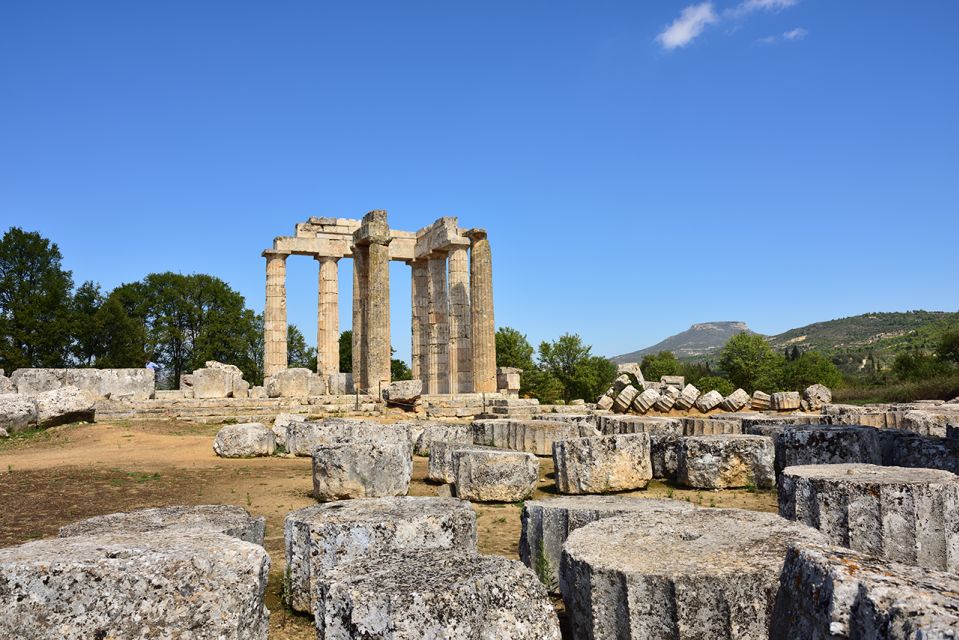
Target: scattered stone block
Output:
[
  {"x": 440, "y": 464},
  {"x": 304, "y": 437},
  {"x": 726, "y": 461},
  {"x": 64, "y": 405},
  {"x": 830, "y": 592},
  {"x": 290, "y": 383},
  {"x": 602, "y": 464},
  {"x": 494, "y": 476},
  {"x": 667, "y": 399},
  {"x": 817, "y": 396},
  {"x": 785, "y": 401},
  {"x": 321, "y": 537},
  {"x": 548, "y": 523},
  {"x": 621, "y": 382},
  {"x": 218, "y": 380},
  {"x": 902, "y": 515},
  {"x": 711, "y": 426},
  {"x": 761, "y": 401},
  {"x": 605, "y": 403},
  {"x": 3, "y": 433},
  {"x": 431, "y": 432},
  {"x": 631, "y": 369},
  {"x": 709, "y": 401},
  {"x": 117, "y": 384},
  {"x": 673, "y": 381},
  {"x": 624, "y": 399},
  {"x": 361, "y": 470},
  {"x": 17, "y": 412},
  {"x": 736, "y": 400},
  {"x": 585, "y": 422},
  {"x": 645, "y": 400},
  {"x": 708, "y": 573},
  {"x": 508, "y": 380},
  {"x": 163, "y": 585},
  {"x": 413, "y": 594},
  {"x": 281, "y": 427},
  {"x": 247, "y": 440},
  {"x": 531, "y": 436},
  {"x": 403, "y": 392},
  {"x": 6, "y": 384},
  {"x": 826, "y": 444},
  {"x": 687, "y": 398},
  {"x": 228, "y": 520},
  {"x": 927, "y": 423}
]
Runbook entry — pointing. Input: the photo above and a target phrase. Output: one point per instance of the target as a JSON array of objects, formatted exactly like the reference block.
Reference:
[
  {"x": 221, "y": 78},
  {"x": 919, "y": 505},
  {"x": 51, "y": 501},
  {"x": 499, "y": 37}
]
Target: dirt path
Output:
[{"x": 51, "y": 478}]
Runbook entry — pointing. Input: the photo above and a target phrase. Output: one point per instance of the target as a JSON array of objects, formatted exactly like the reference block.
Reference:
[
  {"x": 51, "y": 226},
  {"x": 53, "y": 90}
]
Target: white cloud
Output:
[
  {"x": 689, "y": 25},
  {"x": 795, "y": 34},
  {"x": 748, "y": 6}
]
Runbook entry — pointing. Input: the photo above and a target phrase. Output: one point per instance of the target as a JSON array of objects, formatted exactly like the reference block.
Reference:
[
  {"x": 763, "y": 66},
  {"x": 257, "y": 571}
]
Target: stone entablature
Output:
[{"x": 453, "y": 330}]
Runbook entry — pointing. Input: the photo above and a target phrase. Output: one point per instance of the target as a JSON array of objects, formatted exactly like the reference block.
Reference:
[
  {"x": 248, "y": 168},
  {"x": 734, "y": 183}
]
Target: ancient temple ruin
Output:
[{"x": 453, "y": 335}]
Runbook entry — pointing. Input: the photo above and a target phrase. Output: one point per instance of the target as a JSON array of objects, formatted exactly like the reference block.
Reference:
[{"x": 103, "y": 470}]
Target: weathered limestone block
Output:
[
  {"x": 602, "y": 464},
  {"x": 785, "y": 401},
  {"x": 708, "y": 573},
  {"x": 304, "y": 437},
  {"x": 826, "y": 444},
  {"x": 726, "y": 461},
  {"x": 247, "y": 440},
  {"x": 321, "y": 537},
  {"x": 6, "y": 384},
  {"x": 605, "y": 403},
  {"x": 631, "y": 369},
  {"x": 361, "y": 470},
  {"x": 225, "y": 519},
  {"x": 117, "y": 384},
  {"x": 621, "y": 382},
  {"x": 673, "y": 381},
  {"x": 585, "y": 422},
  {"x": 451, "y": 432},
  {"x": 415, "y": 594},
  {"x": 903, "y": 515},
  {"x": 829, "y": 592},
  {"x": 548, "y": 523},
  {"x": 440, "y": 465},
  {"x": 258, "y": 392},
  {"x": 906, "y": 449},
  {"x": 664, "y": 434},
  {"x": 4, "y": 433},
  {"x": 17, "y": 412},
  {"x": 645, "y": 401},
  {"x": 494, "y": 476},
  {"x": 508, "y": 380},
  {"x": 64, "y": 405},
  {"x": 709, "y": 401},
  {"x": 163, "y": 585},
  {"x": 624, "y": 399},
  {"x": 290, "y": 383},
  {"x": 928, "y": 423},
  {"x": 761, "y": 401},
  {"x": 817, "y": 396},
  {"x": 687, "y": 398},
  {"x": 667, "y": 398},
  {"x": 711, "y": 426},
  {"x": 218, "y": 380},
  {"x": 531, "y": 436},
  {"x": 736, "y": 400},
  {"x": 403, "y": 392},
  {"x": 281, "y": 427}
]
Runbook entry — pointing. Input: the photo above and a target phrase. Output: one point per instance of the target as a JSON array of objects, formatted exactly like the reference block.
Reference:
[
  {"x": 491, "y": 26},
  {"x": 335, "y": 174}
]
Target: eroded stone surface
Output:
[
  {"x": 205, "y": 518},
  {"x": 321, "y": 537},
  {"x": 687, "y": 398},
  {"x": 736, "y": 400},
  {"x": 163, "y": 585},
  {"x": 64, "y": 405},
  {"x": 761, "y": 401},
  {"x": 304, "y": 437},
  {"x": 548, "y": 523},
  {"x": 404, "y": 392},
  {"x": 131, "y": 384},
  {"x": 826, "y": 444},
  {"x": 785, "y": 401},
  {"x": 17, "y": 412},
  {"x": 361, "y": 470},
  {"x": 430, "y": 432},
  {"x": 602, "y": 464},
  {"x": 247, "y": 440},
  {"x": 531, "y": 436},
  {"x": 410, "y": 595},
  {"x": 817, "y": 396},
  {"x": 726, "y": 461},
  {"x": 494, "y": 476},
  {"x": 903, "y": 515},
  {"x": 709, "y": 401},
  {"x": 711, "y": 573},
  {"x": 830, "y": 592}
]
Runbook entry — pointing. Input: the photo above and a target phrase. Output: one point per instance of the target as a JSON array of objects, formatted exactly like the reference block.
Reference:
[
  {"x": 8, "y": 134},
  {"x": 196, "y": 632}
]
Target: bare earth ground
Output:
[{"x": 51, "y": 478}]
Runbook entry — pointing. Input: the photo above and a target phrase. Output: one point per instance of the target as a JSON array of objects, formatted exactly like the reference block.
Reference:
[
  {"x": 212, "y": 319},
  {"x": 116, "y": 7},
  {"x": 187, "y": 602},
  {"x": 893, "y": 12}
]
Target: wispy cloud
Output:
[
  {"x": 748, "y": 6},
  {"x": 688, "y": 26},
  {"x": 792, "y": 36}
]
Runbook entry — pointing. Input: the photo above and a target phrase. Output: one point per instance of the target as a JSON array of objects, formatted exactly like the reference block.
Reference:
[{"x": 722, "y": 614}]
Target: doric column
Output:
[
  {"x": 420, "y": 321},
  {"x": 461, "y": 352},
  {"x": 439, "y": 313},
  {"x": 482, "y": 323},
  {"x": 274, "y": 315},
  {"x": 328, "y": 318},
  {"x": 372, "y": 242},
  {"x": 360, "y": 254}
]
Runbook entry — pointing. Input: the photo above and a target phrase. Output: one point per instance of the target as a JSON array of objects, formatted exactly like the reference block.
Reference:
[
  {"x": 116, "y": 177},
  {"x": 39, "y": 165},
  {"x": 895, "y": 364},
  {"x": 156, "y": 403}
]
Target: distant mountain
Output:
[
  {"x": 854, "y": 343},
  {"x": 700, "y": 339}
]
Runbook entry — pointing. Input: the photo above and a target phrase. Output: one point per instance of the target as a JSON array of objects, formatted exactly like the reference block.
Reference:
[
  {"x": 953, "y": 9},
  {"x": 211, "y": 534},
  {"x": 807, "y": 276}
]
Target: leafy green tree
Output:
[
  {"x": 570, "y": 362},
  {"x": 513, "y": 349},
  {"x": 542, "y": 385},
  {"x": 346, "y": 351},
  {"x": 118, "y": 339},
  {"x": 35, "y": 302},
  {"x": 656, "y": 365},
  {"x": 948, "y": 347},
  {"x": 916, "y": 366},
  {"x": 298, "y": 353},
  {"x": 715, "y": 383},
  {"x": 399, "y": 370},
  {"x": 86, "y": 346},
  {"x": 809, "y": 368},
  {"x": 749, "y": 362}
]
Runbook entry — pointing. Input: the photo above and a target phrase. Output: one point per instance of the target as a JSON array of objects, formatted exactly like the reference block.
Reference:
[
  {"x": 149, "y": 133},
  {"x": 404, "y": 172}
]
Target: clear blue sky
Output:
[{"x": 640, "y": 166}]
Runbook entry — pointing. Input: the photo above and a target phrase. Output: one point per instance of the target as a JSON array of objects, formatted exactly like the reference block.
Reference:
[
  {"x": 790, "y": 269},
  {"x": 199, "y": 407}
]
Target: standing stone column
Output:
[
  {"x": 360, "y": 279},
  {"x": 274, "y": 315},
  {"x": 373, "y": 237},
  {"x": 328, "y": 318},
  {"x": 439, "y": 314},
  {"x": 420, "y": 321},
  {"x": 461, "y": 351},
  {"x": 481, "y": 301}
]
